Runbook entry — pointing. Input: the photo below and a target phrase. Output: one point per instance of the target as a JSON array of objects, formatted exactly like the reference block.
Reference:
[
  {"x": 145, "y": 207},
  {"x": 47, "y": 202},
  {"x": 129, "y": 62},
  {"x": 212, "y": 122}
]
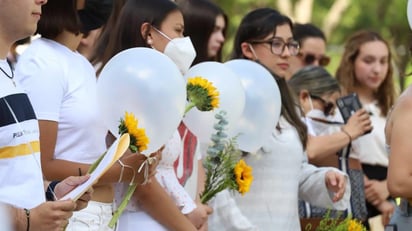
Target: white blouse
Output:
[{"x": 282, "y": 175}]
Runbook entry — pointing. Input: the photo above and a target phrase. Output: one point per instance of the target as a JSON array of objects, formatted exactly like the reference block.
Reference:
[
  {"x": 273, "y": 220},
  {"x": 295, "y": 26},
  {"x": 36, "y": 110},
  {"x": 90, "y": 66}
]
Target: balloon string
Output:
[{"x": 145, "y": 166}]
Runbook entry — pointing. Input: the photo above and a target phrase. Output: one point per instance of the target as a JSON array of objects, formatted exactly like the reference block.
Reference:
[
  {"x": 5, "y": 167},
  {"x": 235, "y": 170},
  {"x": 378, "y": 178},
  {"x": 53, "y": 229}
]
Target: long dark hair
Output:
[
  {"x": 101, "y": 43},
  {"x": 256, "y": 25},
  {"x": 126, "y": 32},
  {"x": 200, "y": 17}
]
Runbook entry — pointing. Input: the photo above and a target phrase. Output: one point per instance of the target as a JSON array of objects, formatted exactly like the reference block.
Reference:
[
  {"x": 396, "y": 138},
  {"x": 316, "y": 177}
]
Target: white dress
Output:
[
  {"x": 282, "y": 175},
  {"x": 134, "y": 218}
]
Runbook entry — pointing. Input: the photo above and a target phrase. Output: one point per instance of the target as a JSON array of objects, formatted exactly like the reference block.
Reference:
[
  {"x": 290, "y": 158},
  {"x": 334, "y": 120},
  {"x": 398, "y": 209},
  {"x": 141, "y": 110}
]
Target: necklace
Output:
[{"x": 10, "y": 77}]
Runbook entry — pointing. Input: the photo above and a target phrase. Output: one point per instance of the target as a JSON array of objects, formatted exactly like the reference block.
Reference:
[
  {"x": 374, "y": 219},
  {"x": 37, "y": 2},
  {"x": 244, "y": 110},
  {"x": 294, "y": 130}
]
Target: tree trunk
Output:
[
  {"x": 285, "y": 6},
  {"x": 303, "y": 11},
  {"x": 334, "y": 16}
]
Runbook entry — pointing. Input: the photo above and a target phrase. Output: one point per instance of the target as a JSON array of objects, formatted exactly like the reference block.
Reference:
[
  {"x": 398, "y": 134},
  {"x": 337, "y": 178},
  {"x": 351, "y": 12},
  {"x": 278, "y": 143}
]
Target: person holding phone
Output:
[
  {"x": 365, "y": 69},
  {"x": 316, "y": 91}
]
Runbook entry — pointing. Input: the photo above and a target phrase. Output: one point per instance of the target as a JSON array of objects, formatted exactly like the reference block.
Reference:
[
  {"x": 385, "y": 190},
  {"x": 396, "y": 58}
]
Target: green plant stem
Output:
[
  {"x": 123, "y": 204},
  {"x": 210, "y": 194},
  {"x": 189, "y": 106},
  {"x": 96, "y": 163}
]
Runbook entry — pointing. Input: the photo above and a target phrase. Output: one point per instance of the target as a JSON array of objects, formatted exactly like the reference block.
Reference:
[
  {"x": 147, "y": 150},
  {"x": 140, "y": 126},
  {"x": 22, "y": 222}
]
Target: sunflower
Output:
[
  {"x": 201, "y": 94},
  {"x": 354, "y": 225},
  {"x": 244, "y": 177},
  {"x": 138, "y": 138}
]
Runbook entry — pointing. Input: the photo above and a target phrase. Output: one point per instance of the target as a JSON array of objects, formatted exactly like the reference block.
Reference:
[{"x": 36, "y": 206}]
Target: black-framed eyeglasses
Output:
[
  {"x": 277, "y": 46},
  {"x": 328, "y": 107},
  {"x": 309, "y": 59}
]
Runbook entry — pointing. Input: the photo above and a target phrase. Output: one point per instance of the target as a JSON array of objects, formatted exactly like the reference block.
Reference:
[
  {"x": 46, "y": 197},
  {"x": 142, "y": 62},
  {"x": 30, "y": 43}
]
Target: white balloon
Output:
[
  {"x": 148, "y": 84},
  {"x": 231, "y": 99},
  {"x": 409, "y": 13},
  {"x": 262, "y": 104}
]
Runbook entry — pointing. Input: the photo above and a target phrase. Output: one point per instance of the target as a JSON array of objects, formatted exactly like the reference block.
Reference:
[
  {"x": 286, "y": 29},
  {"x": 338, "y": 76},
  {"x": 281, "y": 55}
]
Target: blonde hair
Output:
[{"x": 345, "y": 73}]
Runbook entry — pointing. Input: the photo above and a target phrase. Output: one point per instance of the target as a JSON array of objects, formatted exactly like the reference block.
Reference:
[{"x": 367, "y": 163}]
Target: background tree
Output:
[{"x": 338, "y": 19}]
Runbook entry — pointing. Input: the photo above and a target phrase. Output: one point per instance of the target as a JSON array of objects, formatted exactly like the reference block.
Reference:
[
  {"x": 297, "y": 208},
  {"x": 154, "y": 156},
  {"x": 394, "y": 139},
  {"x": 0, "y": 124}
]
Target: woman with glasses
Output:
[
  {"x": 280, "y": 169},
  {"x": 316, "y": 92},
  {"x": 312, "y": 50},
  {"x": 366, "y": 69}
]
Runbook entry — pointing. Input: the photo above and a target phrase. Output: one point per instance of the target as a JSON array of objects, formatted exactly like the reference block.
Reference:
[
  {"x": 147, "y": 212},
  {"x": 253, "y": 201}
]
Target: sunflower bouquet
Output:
[
  {"x": 138, "y": 143},
  {"x": 223, "y": 165},
  {"x": 201, "y": 94},
  {"x": 336, "y": 224}
]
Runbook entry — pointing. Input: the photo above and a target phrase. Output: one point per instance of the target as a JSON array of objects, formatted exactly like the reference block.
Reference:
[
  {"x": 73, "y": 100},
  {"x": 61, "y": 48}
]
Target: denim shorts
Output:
[
  {"x": 402, "y": 217},
  {"x": 95, "y": 217}
]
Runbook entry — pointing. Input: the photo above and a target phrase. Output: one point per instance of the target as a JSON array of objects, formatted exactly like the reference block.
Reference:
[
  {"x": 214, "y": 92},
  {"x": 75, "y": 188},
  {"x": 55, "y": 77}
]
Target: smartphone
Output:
[
  {"x": 391, "y": 228},
  {"x": 348, "y": 105}
]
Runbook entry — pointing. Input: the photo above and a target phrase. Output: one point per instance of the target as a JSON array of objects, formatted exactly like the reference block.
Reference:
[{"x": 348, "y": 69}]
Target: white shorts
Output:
[{"x": 95, "y": 217}]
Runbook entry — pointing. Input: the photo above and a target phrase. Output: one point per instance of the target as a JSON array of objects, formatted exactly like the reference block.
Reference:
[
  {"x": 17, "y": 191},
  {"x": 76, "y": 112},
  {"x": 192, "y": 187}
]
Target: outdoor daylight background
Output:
[{"x": 338, "y": 19}]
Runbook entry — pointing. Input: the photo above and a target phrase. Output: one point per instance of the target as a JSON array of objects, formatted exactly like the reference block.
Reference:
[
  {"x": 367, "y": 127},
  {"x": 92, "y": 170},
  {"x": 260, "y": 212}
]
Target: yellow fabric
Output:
[{"x": 19, "y": 150}]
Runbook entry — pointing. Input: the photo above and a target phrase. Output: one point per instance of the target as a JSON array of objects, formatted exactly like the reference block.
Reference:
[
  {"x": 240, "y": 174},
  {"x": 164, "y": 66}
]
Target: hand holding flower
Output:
[
  {"x": 335, "y": 182},
  {"x": 199, "y": 215},
  {"x": 138, "y": 143}
]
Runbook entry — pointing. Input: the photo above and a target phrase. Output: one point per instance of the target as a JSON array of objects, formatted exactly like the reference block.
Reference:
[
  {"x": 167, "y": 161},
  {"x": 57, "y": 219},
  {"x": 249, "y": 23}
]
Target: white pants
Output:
[{"x": 95, "y": 217}]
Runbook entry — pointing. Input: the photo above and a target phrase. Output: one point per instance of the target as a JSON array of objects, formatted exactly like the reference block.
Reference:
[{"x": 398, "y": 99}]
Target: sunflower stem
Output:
[
  {"x": 189, "y": 106},
  {"x": 96, "y": 163},
  {"x": 123, "y": 204}
]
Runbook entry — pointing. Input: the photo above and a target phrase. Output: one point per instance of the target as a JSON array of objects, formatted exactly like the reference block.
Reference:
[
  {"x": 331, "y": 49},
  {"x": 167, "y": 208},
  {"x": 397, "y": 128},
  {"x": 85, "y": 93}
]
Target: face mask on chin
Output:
[
  {"x": 180, "y": 50},
  {"x": 317, "y": 114}
]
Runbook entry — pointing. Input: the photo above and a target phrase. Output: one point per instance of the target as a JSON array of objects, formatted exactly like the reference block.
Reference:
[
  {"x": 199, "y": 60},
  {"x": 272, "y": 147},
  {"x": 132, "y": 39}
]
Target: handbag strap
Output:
[{"x": 343, "y": 155}]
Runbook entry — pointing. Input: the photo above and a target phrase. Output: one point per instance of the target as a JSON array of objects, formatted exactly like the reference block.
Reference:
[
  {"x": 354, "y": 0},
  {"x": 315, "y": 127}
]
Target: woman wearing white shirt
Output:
[{"x": 281, "y": 171}]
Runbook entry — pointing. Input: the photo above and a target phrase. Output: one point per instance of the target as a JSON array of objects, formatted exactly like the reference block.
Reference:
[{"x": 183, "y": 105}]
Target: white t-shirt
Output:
[
  {"x": 21, "y": 180},
  {"x": 62, "y": 87},
  {"x": 370, "y": 148}
]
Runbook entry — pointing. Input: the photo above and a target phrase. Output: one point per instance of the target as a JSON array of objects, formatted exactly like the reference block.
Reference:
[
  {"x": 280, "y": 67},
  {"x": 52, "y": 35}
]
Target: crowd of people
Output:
[{"x": 315, "y": 162}]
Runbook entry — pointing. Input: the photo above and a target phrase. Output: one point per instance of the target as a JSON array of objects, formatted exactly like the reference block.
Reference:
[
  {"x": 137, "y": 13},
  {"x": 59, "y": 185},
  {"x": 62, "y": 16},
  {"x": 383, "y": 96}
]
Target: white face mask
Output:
[
  {"x": 317, "y": 122},
  {"x": 180, "y": 50},
  {"x": 316, "y": 113}
]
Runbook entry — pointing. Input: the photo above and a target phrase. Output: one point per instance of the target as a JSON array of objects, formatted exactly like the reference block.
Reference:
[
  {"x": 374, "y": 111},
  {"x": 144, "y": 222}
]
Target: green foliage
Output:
[
  {"x": 386, "y": 17},
  {"x": 337, "y": 224},
  {"x": 220, "y": 162}
]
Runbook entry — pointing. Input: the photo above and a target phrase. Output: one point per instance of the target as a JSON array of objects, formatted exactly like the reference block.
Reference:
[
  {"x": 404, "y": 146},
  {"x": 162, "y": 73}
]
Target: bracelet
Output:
[
  {"x": 50, "y": 196},
  {"x": 122, "y": 170},
  {"x": 27, "y": 211},
  {"x": 347, "y": 134}
]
